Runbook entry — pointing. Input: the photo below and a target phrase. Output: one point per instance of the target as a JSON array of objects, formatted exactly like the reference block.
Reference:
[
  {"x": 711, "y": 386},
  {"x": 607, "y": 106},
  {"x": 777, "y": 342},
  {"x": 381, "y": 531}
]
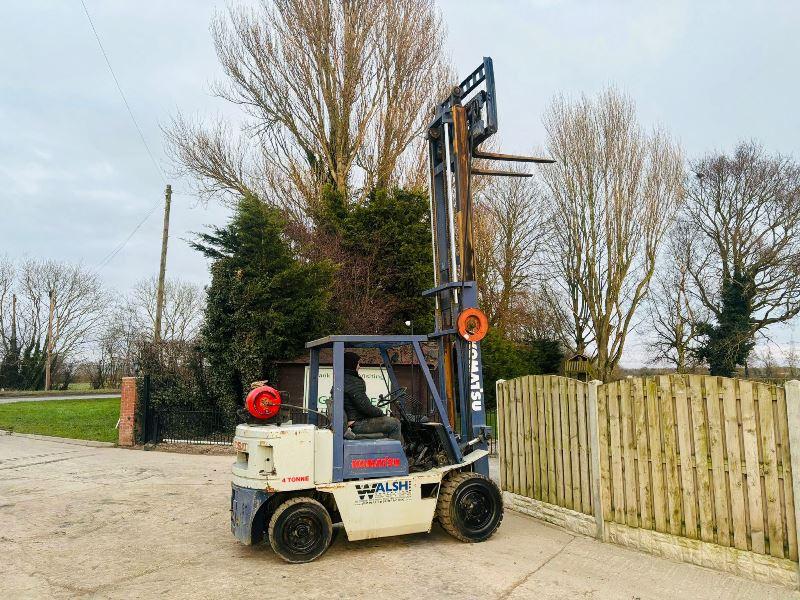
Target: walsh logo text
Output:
[{"x": 383, "y": 491}]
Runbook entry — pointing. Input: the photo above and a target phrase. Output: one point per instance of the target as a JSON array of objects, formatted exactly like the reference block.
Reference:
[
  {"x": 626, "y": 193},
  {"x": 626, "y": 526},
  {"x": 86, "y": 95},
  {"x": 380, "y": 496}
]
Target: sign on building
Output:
[{"x": 375, "y": 378}]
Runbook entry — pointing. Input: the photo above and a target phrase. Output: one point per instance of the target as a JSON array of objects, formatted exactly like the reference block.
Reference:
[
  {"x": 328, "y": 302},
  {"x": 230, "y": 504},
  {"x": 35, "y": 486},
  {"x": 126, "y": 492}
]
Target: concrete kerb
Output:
[{"x": 50, "y": 438}]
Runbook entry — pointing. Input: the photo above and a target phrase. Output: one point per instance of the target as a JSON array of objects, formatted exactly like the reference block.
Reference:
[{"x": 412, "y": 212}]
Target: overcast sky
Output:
[{"x": 75, "y": 178}]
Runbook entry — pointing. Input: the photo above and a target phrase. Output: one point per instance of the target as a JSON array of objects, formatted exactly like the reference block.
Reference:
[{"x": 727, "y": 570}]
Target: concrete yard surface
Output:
[{"x": 113, "y": 523}]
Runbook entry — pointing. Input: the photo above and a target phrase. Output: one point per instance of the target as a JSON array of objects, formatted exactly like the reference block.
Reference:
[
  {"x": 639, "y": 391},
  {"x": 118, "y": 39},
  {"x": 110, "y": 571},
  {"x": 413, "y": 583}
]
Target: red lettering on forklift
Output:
[
  {"x": 296, "y": 479},
  {"x": 372, "y": 463}
]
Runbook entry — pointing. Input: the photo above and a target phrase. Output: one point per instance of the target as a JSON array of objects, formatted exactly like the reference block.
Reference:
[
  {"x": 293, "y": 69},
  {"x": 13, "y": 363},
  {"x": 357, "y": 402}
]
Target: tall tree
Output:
[
  {"x": 79, "y": 304},
  {"x": 182, "y": 312},
  {"x": 729, "y": 341},
  {"x": 674, "y": 311},
  {"x": 745, "y": 210},
  {"x": 9, "y": 343},
  {"x": 263, "y": 303},
  {"x": 614, "y": 191},
  {"x": 391, "y": 230},
  {"x": 509, "y": 231},
  {"x": 329, "y": 87}
]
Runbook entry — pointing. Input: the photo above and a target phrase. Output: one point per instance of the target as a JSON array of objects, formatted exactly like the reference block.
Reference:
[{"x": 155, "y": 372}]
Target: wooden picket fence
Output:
[{"x": 699, "y": 457}]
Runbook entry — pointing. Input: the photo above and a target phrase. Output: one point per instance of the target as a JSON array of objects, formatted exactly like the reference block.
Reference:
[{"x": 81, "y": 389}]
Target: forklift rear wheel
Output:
[
  {"x": 470, "y": 507},
  {"x": 300, "y": 530}
]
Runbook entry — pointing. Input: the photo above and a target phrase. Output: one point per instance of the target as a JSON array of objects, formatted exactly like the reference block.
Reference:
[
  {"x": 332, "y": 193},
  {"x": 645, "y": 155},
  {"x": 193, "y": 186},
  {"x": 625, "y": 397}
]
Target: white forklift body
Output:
[{"x": 288, "y": 458}]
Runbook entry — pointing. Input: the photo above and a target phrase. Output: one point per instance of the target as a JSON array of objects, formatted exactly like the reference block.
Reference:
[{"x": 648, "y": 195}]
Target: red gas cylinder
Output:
[{"x": 263, "y": 402}]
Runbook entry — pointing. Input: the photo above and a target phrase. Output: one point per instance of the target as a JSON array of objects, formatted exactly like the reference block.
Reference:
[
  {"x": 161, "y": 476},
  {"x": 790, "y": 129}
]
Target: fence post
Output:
[
  {"x": 792, "y": 389},
  {"x": 501, "y": 454},
  {"x": 593, "y": 427}
]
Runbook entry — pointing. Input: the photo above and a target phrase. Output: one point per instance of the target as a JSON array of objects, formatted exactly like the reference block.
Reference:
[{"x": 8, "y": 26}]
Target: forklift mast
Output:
[{"x": 463, "y": 121}]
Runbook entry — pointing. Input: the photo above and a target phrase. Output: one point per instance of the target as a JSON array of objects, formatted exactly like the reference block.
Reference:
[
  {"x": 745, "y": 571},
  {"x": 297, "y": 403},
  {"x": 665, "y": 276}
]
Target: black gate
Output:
[
  {"x": 180, "y": 426},
  {"x": 193, "y": 427}
]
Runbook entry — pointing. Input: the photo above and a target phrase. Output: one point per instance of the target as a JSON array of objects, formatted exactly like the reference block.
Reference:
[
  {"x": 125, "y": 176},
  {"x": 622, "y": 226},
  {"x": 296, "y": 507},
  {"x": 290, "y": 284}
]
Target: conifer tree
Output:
[{"x": 263, "y": 303}]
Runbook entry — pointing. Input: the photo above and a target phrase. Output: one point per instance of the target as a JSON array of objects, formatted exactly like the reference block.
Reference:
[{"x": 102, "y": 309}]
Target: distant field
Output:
[
  {"x": 77, "y": 419},
  {"x": 80, "y": 386}
]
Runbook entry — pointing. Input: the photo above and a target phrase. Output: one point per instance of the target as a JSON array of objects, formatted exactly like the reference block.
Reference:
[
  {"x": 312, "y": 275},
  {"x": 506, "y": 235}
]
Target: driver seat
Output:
[{"x": 349, "y": 434}]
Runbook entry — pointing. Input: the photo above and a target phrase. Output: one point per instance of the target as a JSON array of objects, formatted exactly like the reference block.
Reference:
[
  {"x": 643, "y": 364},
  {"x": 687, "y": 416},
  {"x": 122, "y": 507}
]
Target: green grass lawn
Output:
[
  {"x": 77, "y": 419},
  {"x": 77, "y": 392}
]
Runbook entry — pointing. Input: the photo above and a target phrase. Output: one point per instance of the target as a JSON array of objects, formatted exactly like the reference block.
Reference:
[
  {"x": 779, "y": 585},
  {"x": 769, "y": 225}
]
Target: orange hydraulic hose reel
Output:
[{"x": 472, "y": 324}]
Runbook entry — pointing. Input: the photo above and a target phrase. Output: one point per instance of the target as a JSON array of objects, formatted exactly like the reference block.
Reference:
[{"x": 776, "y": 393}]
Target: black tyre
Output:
[
  {"x": 300, "y": 530},
  {"x": 470, "y": 507}
]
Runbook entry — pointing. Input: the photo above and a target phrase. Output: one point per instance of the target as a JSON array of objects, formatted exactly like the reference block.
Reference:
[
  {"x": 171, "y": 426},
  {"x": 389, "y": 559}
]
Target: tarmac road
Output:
[{"x": 89, "y": 522}]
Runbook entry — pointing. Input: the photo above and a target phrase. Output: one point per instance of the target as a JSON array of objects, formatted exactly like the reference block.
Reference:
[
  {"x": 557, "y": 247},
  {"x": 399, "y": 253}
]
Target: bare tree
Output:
[
  {"x": 673, "y": 309},
  {"x": 540, "y": 318},
  {"x": 327, "y": 86},
  {"x": 767, "y": 366},
  {"x": 411, "y": 76},
  {"x": 363, "y": 307},
  {"x": 509, "y": 234},
  {"x": 745, "y": 209},
  {"x": 182, "y": 314},
  {"x": 118, "y": 346},
  {"x": 567, "y": 269},
  {"x": 7, "y": 278},
  {"x": 791, "y": 359},
  {"x": 79, "y": 304},
  {"x": 614, "y": 191}
]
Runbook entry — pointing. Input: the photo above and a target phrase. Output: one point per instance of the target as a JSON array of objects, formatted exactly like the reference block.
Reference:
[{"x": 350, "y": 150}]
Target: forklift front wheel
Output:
[
  {"x": 470, "y": 506},
  {"x": 300, "y": 530}
]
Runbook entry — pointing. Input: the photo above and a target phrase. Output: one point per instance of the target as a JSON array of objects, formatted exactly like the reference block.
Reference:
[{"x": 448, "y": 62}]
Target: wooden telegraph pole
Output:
[
  {"x": 47, "y": 366},
  {"x": 14, "y": 320},
  {"x": 163, "y": 267}
]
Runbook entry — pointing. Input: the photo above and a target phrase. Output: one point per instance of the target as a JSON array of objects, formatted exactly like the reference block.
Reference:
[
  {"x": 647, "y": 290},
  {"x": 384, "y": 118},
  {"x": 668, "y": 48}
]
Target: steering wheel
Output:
[{"x": 393, "y": 396}]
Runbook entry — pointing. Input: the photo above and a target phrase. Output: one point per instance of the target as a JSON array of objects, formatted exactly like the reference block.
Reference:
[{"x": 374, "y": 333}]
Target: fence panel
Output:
[
  {"x": 531, "y": 453},
  {"x": 583, "y": 445},
  {"x": 699, "y": 431},
  {"x": 716, "y": 441},
  {"x": 734, "y": 454},
  {"x": 543, "y": 440},
  {"x": 786, "y": 480},
  {"x": 502, "y": 435},
  {"x": 642, "y": 454},
  {"x": 574, "y": 445},
  {"x": 695, "y": 456}
]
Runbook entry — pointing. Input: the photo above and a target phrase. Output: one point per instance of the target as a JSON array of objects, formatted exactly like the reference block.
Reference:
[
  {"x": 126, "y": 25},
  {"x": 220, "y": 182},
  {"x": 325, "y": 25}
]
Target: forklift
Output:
[{"x": 298, "y": 484}]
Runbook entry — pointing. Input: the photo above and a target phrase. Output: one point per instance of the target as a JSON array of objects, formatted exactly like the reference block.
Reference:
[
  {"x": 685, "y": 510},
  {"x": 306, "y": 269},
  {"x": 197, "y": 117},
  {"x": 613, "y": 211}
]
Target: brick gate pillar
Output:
[{"x": 127, "y": 412}]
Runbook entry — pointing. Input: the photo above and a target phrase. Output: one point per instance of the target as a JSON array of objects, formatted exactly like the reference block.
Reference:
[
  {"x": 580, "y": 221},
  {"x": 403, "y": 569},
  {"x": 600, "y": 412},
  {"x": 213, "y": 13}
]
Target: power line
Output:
[
  {"x": 122, "y": 94},
  {"x": 110, "y": 256}
]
